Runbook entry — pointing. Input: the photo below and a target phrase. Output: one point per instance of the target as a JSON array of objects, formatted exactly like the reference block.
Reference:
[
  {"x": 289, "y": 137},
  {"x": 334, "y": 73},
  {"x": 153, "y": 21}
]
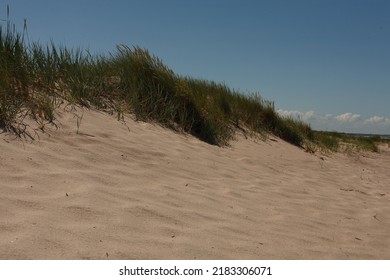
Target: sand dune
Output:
[{"x": 135, "y": 190}]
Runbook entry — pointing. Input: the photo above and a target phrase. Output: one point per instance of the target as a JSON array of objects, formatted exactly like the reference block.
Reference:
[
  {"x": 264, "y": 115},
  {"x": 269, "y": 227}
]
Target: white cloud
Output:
[
  {"x": 346, "y": 122},
  {"x": 286, "y": 113},
  {"x": 304, "y": 116},
  {"x": 347, "y": 117},
  {"x": 375, "y": 119},
  {"x": 309, "y": 115}
]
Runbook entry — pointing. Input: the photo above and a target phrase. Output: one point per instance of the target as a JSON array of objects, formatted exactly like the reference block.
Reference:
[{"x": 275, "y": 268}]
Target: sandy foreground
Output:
[{"x": 138, "y": 191}]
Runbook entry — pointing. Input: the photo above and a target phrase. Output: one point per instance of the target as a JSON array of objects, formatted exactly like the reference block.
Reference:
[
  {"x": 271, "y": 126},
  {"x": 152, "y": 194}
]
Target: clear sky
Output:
[{"x": 327, "y": 62}]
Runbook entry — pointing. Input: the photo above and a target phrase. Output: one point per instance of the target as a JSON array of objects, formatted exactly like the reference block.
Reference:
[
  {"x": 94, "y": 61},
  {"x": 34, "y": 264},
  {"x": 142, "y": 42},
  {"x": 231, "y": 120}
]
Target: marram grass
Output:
[{"x": 33, "y": 77}]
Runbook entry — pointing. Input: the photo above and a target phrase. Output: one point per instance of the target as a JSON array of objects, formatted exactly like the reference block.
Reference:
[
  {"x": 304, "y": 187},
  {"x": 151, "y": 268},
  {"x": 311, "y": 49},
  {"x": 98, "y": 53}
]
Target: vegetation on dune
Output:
[
  {"x": 33, "y": 77},
  {"x": 336, "y": 141}
]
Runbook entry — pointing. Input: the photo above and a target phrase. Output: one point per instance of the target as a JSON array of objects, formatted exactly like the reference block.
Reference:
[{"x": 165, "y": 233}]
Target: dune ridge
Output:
[{"x": 135, "y": 190}]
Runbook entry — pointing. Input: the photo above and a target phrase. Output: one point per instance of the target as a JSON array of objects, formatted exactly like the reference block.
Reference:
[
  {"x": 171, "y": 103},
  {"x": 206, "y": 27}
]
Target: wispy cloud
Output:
[
  {"x": 377, "y": 120},
  {"x": 347, "y": 117},
  {"x": 306, "y": 116},
  {"x": 346, "y": 122}
]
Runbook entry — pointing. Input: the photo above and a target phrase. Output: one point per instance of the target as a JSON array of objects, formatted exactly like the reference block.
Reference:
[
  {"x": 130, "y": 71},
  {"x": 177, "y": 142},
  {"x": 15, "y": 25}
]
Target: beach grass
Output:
[
  {"x": 33, "y": 77},
  {"x": 336, "y": 141}
]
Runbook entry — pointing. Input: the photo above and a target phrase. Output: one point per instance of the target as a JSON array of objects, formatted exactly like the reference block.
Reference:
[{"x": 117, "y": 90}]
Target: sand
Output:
[{"x": 135, "y": 190}]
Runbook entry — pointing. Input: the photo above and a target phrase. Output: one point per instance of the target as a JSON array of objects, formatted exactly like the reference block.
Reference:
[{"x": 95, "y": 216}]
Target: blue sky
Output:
[{"x": 326, "y": 62}]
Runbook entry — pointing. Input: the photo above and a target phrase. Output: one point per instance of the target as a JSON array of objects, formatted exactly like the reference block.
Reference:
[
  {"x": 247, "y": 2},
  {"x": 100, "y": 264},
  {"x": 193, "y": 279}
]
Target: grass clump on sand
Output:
[
  {"x": 33, "y": 77},
  {"x": 335, "y": 141}
]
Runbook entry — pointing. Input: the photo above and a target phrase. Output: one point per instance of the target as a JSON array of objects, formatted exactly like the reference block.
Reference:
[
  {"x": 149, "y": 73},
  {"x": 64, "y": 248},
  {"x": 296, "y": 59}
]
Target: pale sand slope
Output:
[{"x": 143, "y": 192}]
